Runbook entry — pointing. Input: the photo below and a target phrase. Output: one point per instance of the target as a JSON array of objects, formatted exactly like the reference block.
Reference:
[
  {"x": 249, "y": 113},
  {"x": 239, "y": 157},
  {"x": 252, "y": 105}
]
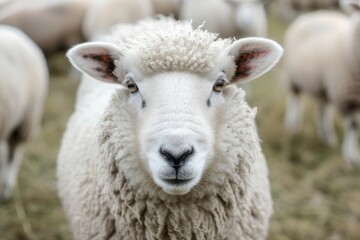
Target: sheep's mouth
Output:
[{"x": 176, "y": 181}]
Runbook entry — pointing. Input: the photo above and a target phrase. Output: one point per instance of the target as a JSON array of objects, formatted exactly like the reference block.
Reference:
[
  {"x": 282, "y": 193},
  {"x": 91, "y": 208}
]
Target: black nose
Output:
[{"x": 176, "y": 160}]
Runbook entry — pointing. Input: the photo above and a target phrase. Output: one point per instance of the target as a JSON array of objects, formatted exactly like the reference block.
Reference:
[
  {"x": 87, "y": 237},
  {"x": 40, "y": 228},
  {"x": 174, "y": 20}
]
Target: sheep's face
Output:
[
  {"x": 177, "y": 115},
  {"x": 177, "y": 112}
]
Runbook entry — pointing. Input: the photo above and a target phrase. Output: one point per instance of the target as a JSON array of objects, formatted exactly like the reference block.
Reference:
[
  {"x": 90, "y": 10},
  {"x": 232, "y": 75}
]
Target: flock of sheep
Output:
[{"x": 162, "y": 143}]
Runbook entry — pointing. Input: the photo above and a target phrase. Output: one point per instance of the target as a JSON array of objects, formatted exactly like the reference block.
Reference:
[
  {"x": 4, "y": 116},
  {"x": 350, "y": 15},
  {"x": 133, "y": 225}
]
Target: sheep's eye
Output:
[
  {"x": 219, "y": 85},
  {"x": 132, "y": 86}
]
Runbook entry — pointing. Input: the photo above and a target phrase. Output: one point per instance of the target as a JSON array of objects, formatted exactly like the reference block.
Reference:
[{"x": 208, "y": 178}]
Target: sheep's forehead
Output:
[{"x": 174, "y": 46}]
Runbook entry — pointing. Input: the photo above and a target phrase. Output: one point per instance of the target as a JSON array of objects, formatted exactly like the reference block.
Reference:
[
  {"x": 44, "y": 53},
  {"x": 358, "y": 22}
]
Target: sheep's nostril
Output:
[{"x": 176, "y": 160}]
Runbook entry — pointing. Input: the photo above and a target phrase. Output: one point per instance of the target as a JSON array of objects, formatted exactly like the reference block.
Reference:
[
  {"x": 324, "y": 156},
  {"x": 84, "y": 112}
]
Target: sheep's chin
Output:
[{"x": 176, "y": 189}]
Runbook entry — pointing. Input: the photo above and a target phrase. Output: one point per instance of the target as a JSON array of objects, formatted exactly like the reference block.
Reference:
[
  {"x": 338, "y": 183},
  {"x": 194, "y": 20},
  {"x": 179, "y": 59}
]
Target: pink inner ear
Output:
[
  {"x": 244, "y": 59},
  {"x": 104, "y": 65}
]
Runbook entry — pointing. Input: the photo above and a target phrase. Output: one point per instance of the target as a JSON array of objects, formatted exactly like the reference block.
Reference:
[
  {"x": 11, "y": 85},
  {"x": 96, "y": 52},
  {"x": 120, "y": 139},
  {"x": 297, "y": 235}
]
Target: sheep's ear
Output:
[
  {"x": 253, "y": 57},
  {"x": 95, "y": 59}
]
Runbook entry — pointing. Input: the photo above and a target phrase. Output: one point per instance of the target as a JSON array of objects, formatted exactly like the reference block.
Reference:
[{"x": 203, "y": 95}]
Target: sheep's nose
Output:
[{"x": 176, "y": 160}]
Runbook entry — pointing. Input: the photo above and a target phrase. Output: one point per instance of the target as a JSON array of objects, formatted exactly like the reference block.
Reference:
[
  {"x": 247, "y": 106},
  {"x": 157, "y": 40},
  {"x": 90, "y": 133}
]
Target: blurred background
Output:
[{"x": 316, "y": 193}]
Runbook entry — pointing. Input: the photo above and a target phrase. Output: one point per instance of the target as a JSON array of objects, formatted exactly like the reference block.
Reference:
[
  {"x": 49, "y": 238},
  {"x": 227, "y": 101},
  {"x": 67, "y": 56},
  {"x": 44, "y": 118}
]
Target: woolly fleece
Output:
[
  {"x": 231, "y": 202},
  {"x": 159, "y": 45},
  {"x": 105, "y": 189}
]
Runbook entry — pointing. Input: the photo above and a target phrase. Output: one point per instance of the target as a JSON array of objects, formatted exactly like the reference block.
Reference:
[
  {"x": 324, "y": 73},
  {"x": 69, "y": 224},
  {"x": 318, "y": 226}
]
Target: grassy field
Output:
[{"x": 315, "y": 195}]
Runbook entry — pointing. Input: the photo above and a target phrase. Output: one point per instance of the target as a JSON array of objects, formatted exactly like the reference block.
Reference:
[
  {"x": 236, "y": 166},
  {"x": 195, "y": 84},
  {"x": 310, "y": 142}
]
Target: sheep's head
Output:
[{"x": 177, "y": 111}]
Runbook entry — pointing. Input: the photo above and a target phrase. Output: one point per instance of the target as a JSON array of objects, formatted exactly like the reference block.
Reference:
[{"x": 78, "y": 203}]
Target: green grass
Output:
[{"x": 315, "y": 195}]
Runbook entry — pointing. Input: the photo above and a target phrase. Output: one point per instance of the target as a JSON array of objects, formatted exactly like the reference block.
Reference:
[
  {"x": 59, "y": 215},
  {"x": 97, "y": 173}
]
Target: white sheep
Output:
[
  {"x": 23, "y": 88},
  {"x": 53, "y": 25},
  {"x": 229, "y": 18},
  {"x": 169, "y": 150},
  {"x": 323, "y": 60},
  {"x": 103, "y": 14}
]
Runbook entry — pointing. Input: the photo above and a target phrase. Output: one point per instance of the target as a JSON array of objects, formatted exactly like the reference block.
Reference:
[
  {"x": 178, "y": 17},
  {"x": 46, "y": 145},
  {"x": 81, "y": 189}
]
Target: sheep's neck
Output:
[{"x": 212, "y": 217}]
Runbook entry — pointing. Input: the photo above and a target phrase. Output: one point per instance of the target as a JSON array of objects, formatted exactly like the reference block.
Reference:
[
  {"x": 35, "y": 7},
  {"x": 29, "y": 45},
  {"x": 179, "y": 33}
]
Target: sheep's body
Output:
[
  {"x": 107, "y": 166},
  {"x": 23, "y": 87},
  {"x": 315, "y": 31},
  {"x": 322, "y": 59},
  {"x": 235, "y": 18},
  {"x": 53, "y": 25},
  {"x": 105, "y": 13}
]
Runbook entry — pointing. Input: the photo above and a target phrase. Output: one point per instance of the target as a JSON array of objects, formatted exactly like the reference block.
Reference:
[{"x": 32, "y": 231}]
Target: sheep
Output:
[
  {"x": 160, "y": 145},
  {"x": 53, "y": 25},
  {"x": 229, "y": 18},
  {"x": 322, "y": 60},
  {"x": 23, "y": 88},
  {"x": 103, "y": 14}
]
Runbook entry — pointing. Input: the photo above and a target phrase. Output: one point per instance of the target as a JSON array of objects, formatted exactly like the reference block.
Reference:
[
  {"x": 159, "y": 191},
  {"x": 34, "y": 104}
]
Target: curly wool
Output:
[
  {"x": 106, "y": 187},
  {"x": 168, "y": 45},
  {"x": 231, "y": 202}
]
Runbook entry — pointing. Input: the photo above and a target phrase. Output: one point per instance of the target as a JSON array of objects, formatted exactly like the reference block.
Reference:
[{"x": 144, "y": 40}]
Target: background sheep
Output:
[
  {"x": 53, "y": 25},
  {"x": 104, "y": 13},
  {"x": 230, "y": 18},
  {"x": 174, "y": 154},
  {"x": 331, "y": 75},
  {"x": 23, "y": 87}
]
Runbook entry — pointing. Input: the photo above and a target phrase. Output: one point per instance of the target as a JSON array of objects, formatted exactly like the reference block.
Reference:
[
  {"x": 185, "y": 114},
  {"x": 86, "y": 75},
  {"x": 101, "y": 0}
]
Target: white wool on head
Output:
[{"x": 167, "y": 45}]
